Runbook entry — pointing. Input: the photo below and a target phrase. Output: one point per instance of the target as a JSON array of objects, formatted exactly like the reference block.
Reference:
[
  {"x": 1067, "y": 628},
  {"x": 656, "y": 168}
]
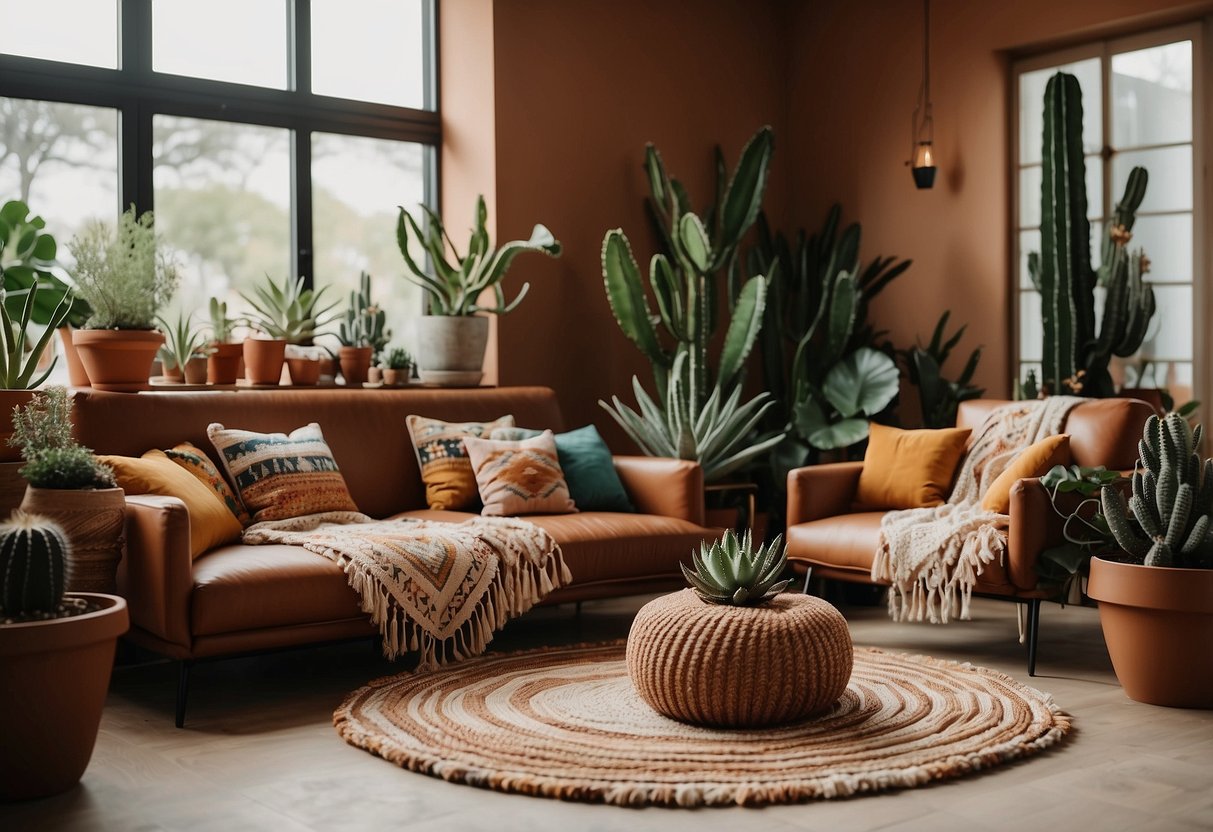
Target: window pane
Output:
[
  {"x": 357, "y": 184},
  {"x": 1030, "y": 195},
  {"x": 75, "y": 31},
  {"x": 1170, "y": 184},
  {"x": 1152, "y": 95},
  {"x": 1170, "y": 333},
  {"x": 1029, "y": 242},
  {"x": 1031, "y": 332},
  {"x": 223, "y": 197},
  {"x": 202, "y": 40},
  {"x": 369, "y": 50},
  {"x": 1032, "y": 102},
  {"x": 1167, "y": 241}
]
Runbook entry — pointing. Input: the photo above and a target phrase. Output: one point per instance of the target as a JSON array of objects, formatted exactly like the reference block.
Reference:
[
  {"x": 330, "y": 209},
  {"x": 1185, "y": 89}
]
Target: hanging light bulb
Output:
[{"x": 922, "y": 151}]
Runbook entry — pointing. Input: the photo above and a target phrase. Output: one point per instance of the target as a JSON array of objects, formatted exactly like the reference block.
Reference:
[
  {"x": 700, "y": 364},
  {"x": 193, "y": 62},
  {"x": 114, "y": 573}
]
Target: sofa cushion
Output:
[
  {"x": 1033, "y": 461},
  {"x": 242, "y": 587},
  {"x": 450, "y": 484},
  {"x": 194, "y": 460},
  {"x": 909, "y": 468},
  {"x": 520, "y": 477},
  {"x": 588, "y": 467}
]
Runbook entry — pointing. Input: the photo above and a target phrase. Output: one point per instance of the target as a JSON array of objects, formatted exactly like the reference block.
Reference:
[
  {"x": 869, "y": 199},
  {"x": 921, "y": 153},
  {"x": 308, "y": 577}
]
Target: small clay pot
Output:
[
  {"x": 395, "y": 378},
  {"x": 355, "y": 364},
  {"x": 172, "y": 374},
  {"x": 223, "y": 365},
  {"x": 375, "y": 375},
  {"x": 75, "y": 368},
  {"x": 118, "y": 359},
  {"x": 263, "y": 359},
  {"x": 195, "y": 370},
  {"x": 305, "y": 372}
]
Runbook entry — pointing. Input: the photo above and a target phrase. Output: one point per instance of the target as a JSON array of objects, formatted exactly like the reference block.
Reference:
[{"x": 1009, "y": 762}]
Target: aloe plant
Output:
[
  {"x": 20, "y": 355},
  {"x": 454, "y": 287},
  {"x": 733, "y": 571},
  {"x": 289, "y": 311},
  {"x": 182, "y": 341}
]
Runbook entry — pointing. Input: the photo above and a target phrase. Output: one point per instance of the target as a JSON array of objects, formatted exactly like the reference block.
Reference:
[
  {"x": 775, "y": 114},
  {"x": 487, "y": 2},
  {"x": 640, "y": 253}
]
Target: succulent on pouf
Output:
[{"x": 732, "y": 571}]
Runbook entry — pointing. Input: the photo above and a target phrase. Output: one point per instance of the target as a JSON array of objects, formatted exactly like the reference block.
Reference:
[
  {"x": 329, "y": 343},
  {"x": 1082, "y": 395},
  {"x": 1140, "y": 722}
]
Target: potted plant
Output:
[
  {"x": 183, "y": 355},
  {"x": 452, "y": 335},
  {"x": 286, "y": 314},
  {"x": 125, "y": 282},
  {"x": 57, "y": 651},
  {"x": 397, "y": 367},
  {"x": 362, "y": 334},
  {"x": 1156, "y": 594},
  {"x": 71, "y": 486},
  {"x": 223, "y": 359}
]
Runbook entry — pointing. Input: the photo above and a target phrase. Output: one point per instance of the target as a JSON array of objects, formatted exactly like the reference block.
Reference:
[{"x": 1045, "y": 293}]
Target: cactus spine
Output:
[
  {"x": 1076, "y": 356},
  {"x": 1171, "y": 521},
  {"x": 33, "y": 557}
]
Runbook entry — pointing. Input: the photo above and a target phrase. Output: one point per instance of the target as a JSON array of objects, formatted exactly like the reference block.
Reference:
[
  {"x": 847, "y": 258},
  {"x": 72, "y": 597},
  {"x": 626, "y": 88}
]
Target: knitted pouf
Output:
[{"x": 739, "y": 667}]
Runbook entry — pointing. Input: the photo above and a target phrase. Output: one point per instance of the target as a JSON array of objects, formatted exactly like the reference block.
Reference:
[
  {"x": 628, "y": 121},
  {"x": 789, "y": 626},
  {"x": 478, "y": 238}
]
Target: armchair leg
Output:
[
  {"x": 1033, "y": 632},
  {"x": 183, "y": 687}
]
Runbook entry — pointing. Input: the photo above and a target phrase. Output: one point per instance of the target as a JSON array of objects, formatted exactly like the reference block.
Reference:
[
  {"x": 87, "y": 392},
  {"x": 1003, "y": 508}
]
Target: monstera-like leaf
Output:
[{"x": 863, "y": 383}]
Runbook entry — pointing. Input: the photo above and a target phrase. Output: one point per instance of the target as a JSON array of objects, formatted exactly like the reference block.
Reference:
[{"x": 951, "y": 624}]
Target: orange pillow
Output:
[
  {"x": 1033, "y": 461},
  {"x": 909, "y": 468}
]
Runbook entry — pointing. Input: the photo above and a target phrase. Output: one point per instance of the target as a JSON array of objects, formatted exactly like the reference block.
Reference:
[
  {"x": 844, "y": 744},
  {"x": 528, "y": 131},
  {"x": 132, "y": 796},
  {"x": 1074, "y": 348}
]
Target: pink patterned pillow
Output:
[{"x": 521, "y": 477}]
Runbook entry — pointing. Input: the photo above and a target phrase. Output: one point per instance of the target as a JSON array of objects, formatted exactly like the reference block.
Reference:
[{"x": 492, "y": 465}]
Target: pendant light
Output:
[{"x": 922, "y": 149}]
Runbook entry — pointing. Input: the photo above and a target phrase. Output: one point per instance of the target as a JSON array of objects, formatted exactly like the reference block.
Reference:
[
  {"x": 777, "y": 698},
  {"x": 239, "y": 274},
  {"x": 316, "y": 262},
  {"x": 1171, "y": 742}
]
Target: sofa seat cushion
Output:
[
  {"x": 605, "y": 545},
  {"x": 242, "y": 587}
]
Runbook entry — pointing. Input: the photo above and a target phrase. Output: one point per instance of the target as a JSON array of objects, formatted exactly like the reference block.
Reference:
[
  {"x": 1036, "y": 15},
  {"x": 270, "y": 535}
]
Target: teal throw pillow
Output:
[{"x": 588, "y": 468}]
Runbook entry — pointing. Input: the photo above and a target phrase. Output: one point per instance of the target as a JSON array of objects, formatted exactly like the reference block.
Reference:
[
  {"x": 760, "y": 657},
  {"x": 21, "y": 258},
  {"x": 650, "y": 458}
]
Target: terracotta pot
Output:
[
  {"x": 223, "y": 365},
  {"x": 8, "y": 400},
  {"x": 395, "y": 378},
  {"x": 305, "y": 372},
  {"x": 355, "y": 364},
  {"x": 452, "y": 348},
  {"x": 1158, "y": 625},
  {"x": 375, "y": 374},
  {"x": 172, "y": 374},
  {"x": 93, "y": 520},
  {"x": 56, "y": 674},
  {"x": 195, "y": 370},
  {"x": 76, "y": 373},
  {"x": 118, "y": 360},
  {"x": 263, "y": 359}
]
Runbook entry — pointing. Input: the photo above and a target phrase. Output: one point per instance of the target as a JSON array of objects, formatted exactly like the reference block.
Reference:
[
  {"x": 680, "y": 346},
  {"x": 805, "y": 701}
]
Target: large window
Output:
[
  {"x": 1141, "y": 106},
  {"x": 269, "y": 136}
]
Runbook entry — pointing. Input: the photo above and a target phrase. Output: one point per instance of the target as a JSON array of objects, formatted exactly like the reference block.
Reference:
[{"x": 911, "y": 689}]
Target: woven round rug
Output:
[{"x": 567, "y": 723}]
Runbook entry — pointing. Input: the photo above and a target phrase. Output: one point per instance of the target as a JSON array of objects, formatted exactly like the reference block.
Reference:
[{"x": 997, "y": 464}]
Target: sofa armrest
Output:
[
  {"x": 1034, "y": 527},
  {"x": 157, "y": 571},
  {"x": 665, "y": 487},
  {"x": 819, "y": 491}
]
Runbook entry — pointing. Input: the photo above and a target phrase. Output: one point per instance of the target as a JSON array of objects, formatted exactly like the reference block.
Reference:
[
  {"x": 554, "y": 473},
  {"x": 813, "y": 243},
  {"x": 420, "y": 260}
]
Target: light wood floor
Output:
[{"x": 259, "y": 751}]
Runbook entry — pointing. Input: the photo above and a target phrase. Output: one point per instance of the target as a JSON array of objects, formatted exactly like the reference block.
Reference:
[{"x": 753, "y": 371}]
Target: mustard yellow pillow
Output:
[
  {"x": 1033, "y": 461},
  {"x": 194, "y": 460},
  {"x": 450, "y": 484},
  {"x": 522, "y": 477},
  {"x": 211, "y": 524},
  {"x": 909, "y": 468}
]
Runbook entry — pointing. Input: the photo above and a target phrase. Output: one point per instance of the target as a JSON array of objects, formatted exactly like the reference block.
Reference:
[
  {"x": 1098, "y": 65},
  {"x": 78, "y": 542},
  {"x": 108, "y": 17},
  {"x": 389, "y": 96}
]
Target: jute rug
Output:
[{"x": 566, "y": 723}]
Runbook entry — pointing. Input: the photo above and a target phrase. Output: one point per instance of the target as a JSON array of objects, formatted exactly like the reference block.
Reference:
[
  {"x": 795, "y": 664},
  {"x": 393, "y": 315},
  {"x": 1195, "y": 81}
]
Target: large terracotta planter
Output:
[
  {"x": 94, "y": 521},
  {"x": 452, "y": 349},
  {"x": 305, "y": 372},
  {"x": 223, "y": 364},
  {"x": 118, "y": 360},
  {"x": 1158, "y": 625},
  {"x": 355, "y": 364},
  {"x": 76, "y": 373},
  {"x": 53, "y": 682},
  {"x": 8, "y": 400},
  {"x": 263, "y": 359}
]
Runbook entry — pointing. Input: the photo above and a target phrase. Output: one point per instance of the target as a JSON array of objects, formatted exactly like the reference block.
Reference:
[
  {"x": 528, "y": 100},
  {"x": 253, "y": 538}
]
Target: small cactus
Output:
[
  {"x": 33, "y": 558},
  {"x": 732, "y": 571}
]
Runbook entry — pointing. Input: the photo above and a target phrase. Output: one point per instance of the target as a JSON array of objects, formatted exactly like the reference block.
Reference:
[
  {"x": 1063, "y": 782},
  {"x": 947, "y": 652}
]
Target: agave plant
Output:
[
  {"x": 183, "y": 341},
  {"x": 732, "y": 571},
  {"x": 289, "y": 311}
]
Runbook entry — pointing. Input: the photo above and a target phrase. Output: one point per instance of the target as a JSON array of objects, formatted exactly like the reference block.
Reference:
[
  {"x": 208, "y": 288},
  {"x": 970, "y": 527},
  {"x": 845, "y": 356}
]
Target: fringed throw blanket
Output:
[
  {"x": 932, "y": 556},
  {"x": 441, "y": 589}
]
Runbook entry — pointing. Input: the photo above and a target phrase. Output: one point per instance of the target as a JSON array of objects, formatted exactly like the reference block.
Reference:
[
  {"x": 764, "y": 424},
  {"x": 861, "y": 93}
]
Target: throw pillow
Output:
[
  {"x": 589, "y": 470},
  {"x": 1033, "y": 461},
  {"x": 909, "y": 468},
  {"x": 522, "y": 477},
  {"x": 211, "y": 524},
  {"x": 280, "y": 476},
  {"x": 194, "y": 459},
  {"x": 450, "y": 484}
]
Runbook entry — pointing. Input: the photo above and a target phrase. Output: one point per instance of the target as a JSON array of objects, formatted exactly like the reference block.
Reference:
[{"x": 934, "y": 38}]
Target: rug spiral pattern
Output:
[{"x": 567, "y": 723}]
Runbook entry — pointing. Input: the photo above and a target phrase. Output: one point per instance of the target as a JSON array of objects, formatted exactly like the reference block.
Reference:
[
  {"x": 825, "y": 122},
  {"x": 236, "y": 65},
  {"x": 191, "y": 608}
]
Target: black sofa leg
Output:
[
  {"x": 1033, "y": 633},
  {"x": 183, "y": 688}
]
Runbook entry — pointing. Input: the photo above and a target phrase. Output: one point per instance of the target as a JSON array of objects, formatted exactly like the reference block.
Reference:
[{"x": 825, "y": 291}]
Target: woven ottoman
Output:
[{"x": 739, "y": 667}]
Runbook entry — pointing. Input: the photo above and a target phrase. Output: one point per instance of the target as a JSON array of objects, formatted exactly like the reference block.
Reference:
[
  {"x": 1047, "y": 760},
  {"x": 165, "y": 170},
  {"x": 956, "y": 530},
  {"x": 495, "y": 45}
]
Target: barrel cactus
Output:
[
  {"x": 732, "y": 571},
  {"x": 33, "y": 559},
  {"x": 1172, "y": 504}
]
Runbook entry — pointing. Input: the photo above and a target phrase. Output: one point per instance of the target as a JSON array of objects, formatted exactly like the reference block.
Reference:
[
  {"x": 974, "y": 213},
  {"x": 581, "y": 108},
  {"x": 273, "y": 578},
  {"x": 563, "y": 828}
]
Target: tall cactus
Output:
[
  {"x": 1075, "y": 355},
  {"x": 364, "y": 324},
  {"x": 1172, "y": 502},
  {"x": 33, "y": 557}
]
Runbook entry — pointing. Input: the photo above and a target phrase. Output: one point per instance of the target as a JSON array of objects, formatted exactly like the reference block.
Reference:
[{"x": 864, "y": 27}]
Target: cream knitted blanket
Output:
[
  {"x": 932, "y": 556},
  {"x": 441, "y": 589}
]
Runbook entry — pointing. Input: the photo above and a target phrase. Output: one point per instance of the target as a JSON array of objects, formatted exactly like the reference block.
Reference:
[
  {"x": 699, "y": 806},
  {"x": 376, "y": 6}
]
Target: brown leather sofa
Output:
[
  {"x": 238, "y": 599},
  {"x": 827, "y": 536}
]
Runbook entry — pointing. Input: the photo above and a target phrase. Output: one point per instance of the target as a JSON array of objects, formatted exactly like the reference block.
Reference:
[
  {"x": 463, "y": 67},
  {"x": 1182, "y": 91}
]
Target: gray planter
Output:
[{"x": 451, "y": 349}]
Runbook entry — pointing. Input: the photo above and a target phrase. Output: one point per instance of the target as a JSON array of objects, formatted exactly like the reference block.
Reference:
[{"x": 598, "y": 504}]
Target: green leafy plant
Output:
[
  {"x": 220, "y": 324},
  {"x": 1084, "y": 528},
  {"x": 733, "y": 571},
  {"x": 397, "y": 358},
  {"x": 455, "y": 287},
  {"x": 33, "y": 561},
  {"x": 182, "y": 341},
  {"x": 27, "y": 256},
  {"x": 121, "y": 275},
  {"x": 289, "y": 312},
  {"x": 42, "y": 432},
  {"x": 364, "y": 322},
  {"x": 939, "y": 397}
]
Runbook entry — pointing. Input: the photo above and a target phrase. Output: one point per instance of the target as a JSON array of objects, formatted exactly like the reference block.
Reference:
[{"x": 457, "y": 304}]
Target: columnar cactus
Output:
[
  {"x": 33, "y": 557},
  {"x": 1172, "y": 502}
]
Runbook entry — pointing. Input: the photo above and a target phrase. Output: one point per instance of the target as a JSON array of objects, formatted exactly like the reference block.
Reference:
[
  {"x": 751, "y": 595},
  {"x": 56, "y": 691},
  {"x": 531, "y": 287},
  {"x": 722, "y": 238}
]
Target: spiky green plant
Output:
[
  {"x": 289, "y": 311},
  {"x": 732, "y": 571},
  {"x": 182, "y": 341},
  {"x": 221, "y": 326},
  {"x": 1172, "y": 502},
  {"x": 397, "y": 358},
  {"x": 364, "y": 324},
  {"x": 938, "y": 397},
  {"x": 20, "y": 354},
  {"x": 33, "y": 565}
]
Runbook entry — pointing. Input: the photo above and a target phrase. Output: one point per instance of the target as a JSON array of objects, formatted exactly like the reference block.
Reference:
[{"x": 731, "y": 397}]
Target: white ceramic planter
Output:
[{"x": 452, "y": 349}]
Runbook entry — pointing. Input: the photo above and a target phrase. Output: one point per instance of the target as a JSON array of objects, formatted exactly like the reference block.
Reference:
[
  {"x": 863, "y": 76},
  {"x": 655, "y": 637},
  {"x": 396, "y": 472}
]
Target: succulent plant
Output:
[
  {"x": 220, "y": 324},
  {"x": 364, "y": 321},
  {"x": 397, "y": 358},
  {"x": 289, "y": 311},
  {"x": 183, "y": 341},
  {"x": 1172, "y": 502},
  {"x": 732, "y": 571},
  {"x": 33, "y": 559}
]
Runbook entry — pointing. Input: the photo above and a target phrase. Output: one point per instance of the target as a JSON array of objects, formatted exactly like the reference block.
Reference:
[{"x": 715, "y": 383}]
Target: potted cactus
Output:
[
  {"x": 56, "y": 651},
  {"x": 362, "y": 334},
  {"x": 183, "y": 355},
  {"x": 286, "y": 314},
  {"x": 397, "y": 367},
  {"x": 225, "y": 356},
  {"x": 453, "y": 336},
  {"x": 734, "y": 650},
  {"x": 1156, "y": 595}
]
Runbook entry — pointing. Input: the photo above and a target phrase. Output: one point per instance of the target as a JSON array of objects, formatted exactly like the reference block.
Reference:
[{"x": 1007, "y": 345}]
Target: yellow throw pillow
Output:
[
  {"x": 450, "y": 484},
  {"x": 522, "y": 477},
  {"x": 211, "y": 524},
  {"x": 909, "y": 468},
  {"x": 1033, "y": 461},
  {"x": 194, "y": 459}
]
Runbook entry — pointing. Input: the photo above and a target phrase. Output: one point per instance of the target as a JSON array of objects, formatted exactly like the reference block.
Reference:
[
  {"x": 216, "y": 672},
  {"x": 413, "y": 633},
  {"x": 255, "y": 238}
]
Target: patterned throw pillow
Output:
[
  {"x": 449, "y": 482},
  {"x": 280, "y": 476},
  {"x": 521, "y": 477},
  {"x": 194, "y": 459},
  {"x": 588, "y": 467}
]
